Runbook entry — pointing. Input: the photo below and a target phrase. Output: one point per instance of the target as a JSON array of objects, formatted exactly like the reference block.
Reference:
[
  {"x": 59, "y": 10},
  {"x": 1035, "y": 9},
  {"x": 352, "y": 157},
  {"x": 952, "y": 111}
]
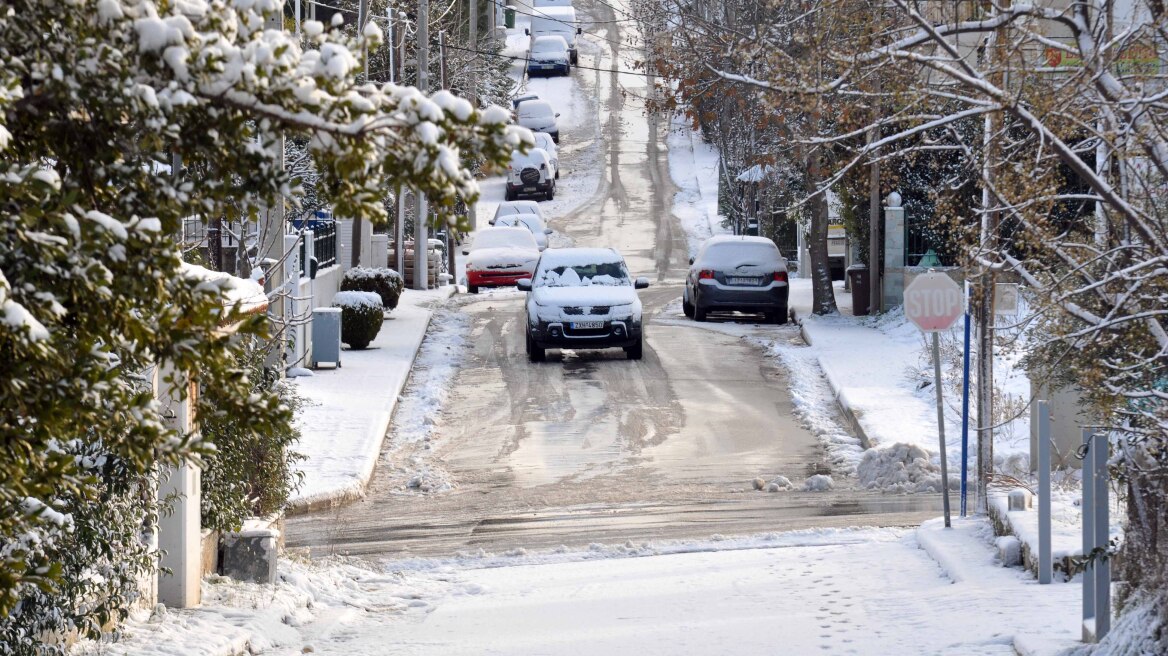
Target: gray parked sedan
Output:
[{"x": 737, "y": 273}]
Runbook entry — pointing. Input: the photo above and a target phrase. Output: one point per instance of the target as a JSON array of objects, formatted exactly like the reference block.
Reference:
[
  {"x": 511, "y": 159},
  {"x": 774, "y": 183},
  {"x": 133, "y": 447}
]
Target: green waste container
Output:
[{"x": 509, "y": 16}]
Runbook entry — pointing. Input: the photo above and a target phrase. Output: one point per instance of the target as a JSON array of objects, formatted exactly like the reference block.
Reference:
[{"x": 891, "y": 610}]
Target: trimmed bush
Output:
[
  {"x": 361, "y": 317},
  {"x": 386, "y": 283}
]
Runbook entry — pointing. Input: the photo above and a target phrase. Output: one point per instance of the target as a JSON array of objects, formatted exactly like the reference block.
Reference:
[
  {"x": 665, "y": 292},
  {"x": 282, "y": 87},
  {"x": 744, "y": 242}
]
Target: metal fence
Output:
[{"x": 324, "y": 245}]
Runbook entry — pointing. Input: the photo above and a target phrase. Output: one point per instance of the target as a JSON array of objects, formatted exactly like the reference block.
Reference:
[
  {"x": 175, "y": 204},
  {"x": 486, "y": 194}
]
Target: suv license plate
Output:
[
  {"x": 742, "y": 281},
  {"x": 585, "y": 325},
  {"x": 529, "y": 189}
]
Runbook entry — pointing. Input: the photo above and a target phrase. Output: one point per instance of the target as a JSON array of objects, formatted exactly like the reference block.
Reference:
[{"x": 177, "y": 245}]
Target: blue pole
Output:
[{"x": 965, "y": 407}]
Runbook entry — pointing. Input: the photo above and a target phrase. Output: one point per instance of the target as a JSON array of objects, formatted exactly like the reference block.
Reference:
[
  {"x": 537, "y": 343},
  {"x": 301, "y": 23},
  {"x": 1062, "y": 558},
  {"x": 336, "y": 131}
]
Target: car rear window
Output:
[
  {"x": 503, "y": 238},
  {"x": 731, "y": 255},
  {"x": 535, "y": 109}
]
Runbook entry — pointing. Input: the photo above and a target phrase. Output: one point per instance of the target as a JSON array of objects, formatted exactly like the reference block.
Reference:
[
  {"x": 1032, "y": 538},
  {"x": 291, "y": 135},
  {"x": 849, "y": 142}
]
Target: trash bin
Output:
[
  {"x": 509, "y": 16},
  {"x": 858, "y": 279}
]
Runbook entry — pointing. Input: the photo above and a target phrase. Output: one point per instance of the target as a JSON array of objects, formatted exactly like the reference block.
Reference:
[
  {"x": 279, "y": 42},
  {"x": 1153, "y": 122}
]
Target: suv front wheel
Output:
[{"x": 535, "y": 352}]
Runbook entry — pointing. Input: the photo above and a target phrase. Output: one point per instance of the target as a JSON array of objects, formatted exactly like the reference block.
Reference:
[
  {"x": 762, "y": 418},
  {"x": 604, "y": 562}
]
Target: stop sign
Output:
[{"x": 933, "y": 302}]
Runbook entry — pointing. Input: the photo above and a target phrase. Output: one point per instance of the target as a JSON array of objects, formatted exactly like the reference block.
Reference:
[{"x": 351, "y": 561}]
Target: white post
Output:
[
  {"x": 1045, "y": 564},
  {"x": 179, "y": 529},
  {"x": 1102, "y": 525},
  {"x": 941, "y": 425},
  {"x": 1088, "y": 508},
  {"x": 421, "y": 228}
]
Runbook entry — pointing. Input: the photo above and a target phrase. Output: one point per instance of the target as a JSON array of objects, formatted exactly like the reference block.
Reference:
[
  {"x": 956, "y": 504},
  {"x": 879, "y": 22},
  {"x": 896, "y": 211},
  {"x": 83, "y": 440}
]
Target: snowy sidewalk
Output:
[
  {"x": 343, "y": 426},
  {"x": 866, "y": 361}
]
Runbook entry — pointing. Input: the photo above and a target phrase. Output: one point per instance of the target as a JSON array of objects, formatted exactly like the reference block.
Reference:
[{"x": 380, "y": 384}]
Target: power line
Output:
[{"x": 585, "y": 68}]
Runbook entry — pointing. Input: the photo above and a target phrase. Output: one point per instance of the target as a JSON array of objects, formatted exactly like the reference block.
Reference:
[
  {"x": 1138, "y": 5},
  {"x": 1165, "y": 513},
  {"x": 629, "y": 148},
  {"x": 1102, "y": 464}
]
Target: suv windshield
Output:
[{"x": 555, "y": 274}]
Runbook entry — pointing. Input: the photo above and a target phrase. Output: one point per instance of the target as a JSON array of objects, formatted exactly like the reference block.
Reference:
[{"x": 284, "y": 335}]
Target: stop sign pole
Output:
[{"x": 933, "y": 301}]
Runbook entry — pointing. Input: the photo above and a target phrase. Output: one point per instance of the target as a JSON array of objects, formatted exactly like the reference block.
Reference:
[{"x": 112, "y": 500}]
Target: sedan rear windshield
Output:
[
  {"x": 504, "y": 238},
  {"x": 731, "y": 255},
  {"x": 548, "y": 47},
  {"x": 610, "y": 274},
  {"x": 535, "y": 109}
]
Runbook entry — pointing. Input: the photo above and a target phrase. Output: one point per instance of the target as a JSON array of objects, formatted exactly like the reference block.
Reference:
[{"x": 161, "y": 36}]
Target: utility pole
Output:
[
  {"x": 358, "y": 227},
  {"x": 399, "y": 231},
  {"x": 421, "y": 228},
  {"x": 451, "y": 232},
  {"x": 985, "y": 297}
]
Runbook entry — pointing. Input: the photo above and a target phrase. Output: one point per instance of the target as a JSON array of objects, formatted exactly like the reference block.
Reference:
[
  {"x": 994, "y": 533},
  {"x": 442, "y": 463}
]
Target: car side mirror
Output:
[
  {"x": 526, "y": 32},
  {"x": 557, "y": 114},
  {"x": 547, "y": 231},
  {"x": 640, "y": 283},
  {"x": 466, "y": 251},
  {"x": 691, "y": 260},
  {"x": 523, "y": 284},
  {"x": 579, "y": 30}
]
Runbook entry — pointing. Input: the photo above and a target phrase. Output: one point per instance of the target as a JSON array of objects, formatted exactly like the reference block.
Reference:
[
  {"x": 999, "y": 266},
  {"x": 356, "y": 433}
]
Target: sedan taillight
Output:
[
  {"x": 780, "y": 276},
  {"x": 705, "y": 274}
]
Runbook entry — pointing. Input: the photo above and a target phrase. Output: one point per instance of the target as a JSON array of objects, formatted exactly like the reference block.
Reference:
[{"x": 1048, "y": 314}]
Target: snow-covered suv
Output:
[
  {"x": 582, "y": 298},
  {"x": 531, "y": 174}
]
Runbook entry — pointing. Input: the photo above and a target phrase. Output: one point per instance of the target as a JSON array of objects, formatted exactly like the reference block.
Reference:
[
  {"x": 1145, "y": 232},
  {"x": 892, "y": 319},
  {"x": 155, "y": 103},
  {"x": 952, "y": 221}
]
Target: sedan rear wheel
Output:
[
  {"x": 687, "y": 307},
  {"x": 699, "y": 313},
  {"x": 780, "y": 315}
]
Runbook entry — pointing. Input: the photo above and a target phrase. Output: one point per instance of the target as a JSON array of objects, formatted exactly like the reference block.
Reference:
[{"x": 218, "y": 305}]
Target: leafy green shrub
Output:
[
  {"x": 251, "y": 472},
  {"x": 361, "y": 317},
  {"x": 101, "y": 555},
  {"x": 386, "y": 283}
]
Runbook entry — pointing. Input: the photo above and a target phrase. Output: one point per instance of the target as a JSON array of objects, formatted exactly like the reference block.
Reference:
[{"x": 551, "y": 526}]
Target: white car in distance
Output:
[
  {"x": 532, "y": 222},
  {"x": 545, "y": 141},
  {"x": 509, "y": 207},
  {"x": 538, "y": 116}
]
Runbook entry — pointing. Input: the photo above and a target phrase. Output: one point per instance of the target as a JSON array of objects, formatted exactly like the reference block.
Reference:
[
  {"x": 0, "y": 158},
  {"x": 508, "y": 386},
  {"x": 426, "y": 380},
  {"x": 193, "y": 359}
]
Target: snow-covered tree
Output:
[
  {"x": 1068, "y": 144},
  {"x": 97, "y": 98}
]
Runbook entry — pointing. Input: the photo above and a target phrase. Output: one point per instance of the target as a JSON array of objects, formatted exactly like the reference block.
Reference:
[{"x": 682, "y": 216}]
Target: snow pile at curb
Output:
[
  {"x": 815, "y": 406},
  {"x": 409, "y": 447},
  {"x": 818, "y": 483},
  {"x": 899, "y": 468}
]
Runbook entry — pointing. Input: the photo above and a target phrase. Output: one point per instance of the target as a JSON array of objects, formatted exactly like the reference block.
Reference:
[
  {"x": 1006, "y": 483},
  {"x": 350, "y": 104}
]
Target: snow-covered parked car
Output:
[
  {"x": 500, "y": 257},
  {"x": 532, "y": 222},
  {"x": 549, "y": 55},
  {"x": 530, "y": 174},
  {"x": 583, "y": 298},
  {"x": 509, "y": 207},
  {"x": 737, "y": 272},
  {"x": 538, "y": 116},
  {"x": 545, "y": 141}
]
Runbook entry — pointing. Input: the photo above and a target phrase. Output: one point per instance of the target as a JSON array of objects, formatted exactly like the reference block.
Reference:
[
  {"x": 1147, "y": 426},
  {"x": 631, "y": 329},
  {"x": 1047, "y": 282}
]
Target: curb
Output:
[
  {"x": 357, "y": 492},
  {"x": 841, "y": 400}
]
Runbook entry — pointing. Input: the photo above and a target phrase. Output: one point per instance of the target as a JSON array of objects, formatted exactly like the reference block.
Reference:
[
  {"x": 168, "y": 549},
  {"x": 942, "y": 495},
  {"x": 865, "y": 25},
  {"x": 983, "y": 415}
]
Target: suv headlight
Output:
[{"x": 621, "y": 312}]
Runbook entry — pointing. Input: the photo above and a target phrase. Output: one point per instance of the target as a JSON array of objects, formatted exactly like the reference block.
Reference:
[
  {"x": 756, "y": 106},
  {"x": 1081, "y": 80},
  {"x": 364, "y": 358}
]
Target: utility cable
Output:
[{"x": 579, "y": 66}]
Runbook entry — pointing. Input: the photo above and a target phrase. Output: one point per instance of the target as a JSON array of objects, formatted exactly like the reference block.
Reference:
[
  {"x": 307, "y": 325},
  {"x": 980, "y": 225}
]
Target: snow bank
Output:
[
  {"x": 818, "y": 483},
  {"x": 899, "y": 468}
]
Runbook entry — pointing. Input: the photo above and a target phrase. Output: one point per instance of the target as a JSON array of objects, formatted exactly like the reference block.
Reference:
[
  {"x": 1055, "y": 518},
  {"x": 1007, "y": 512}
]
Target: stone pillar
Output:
[
  {"x": 179, "y": 529},
  {"x": 893, "y": 278}
]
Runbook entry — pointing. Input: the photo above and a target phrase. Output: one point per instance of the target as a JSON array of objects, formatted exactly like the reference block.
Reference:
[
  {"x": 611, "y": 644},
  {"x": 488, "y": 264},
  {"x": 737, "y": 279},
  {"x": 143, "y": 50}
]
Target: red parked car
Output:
[{"x": 500, "y": 256}]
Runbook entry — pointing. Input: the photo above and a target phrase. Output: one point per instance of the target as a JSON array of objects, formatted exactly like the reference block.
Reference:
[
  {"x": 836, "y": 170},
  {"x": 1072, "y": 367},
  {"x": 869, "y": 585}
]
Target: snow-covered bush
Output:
[
  {"x": 386, "y": 283},
  {"x": 361, "y": 317}
]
